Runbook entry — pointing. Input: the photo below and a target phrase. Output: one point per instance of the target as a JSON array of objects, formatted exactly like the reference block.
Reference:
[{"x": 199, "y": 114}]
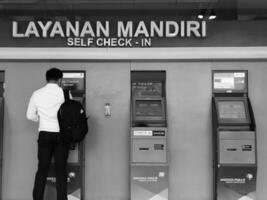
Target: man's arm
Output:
[
  {"x": 70, "y": 95},
  {"x": 32, "y": 110}
]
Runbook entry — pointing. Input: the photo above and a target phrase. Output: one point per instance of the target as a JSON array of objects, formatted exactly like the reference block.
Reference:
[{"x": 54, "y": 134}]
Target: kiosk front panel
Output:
[
  {"x": 149, "y": 146},
  {"x": 75, "y": 82},
  {"x": 237, "y": 147},
  {"x": 234, "y": 137}
]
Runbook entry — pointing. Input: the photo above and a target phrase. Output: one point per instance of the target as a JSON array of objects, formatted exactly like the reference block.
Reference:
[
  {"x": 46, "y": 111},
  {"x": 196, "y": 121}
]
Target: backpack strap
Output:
[{"x": 66, "y": 94}]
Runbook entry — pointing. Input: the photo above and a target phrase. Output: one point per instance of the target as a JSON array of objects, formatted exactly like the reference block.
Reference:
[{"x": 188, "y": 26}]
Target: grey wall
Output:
[{"x": 107, "y": 145}]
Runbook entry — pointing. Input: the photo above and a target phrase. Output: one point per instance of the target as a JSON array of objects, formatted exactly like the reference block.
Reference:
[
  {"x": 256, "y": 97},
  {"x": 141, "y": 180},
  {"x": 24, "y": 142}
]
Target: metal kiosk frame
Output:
[
  {"x": 234, "y": 137},
  {"x": 148, "y": 136}
]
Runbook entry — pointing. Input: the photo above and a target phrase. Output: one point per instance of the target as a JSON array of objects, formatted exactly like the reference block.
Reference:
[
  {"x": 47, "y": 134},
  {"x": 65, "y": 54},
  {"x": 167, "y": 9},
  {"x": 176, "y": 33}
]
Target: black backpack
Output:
[{"x": 72, "y": 120}]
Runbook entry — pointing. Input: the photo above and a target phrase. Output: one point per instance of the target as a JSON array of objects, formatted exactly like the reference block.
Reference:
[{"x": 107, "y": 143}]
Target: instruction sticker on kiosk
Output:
[
  {"x": 224, "y": 81},
  {"x": 142, "y": 133}
]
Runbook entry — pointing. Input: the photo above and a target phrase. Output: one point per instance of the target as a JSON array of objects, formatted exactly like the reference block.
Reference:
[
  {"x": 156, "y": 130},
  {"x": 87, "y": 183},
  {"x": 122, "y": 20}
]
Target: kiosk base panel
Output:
[
  {"x": 74, "y": 184},
  {"x": 236, "y": 183},
  {"x": 149, "y": 182}
]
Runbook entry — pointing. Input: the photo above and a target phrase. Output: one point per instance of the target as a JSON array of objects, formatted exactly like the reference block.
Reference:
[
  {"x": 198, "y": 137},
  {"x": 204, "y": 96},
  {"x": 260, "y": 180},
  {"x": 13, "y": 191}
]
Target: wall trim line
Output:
[{"x": 102, "y": 54}]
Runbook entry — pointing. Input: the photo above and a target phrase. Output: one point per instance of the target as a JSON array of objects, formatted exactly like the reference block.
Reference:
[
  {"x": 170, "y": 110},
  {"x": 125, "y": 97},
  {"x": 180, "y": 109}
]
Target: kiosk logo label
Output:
[
  {"x": 109, "y": 33},
  {"x": 233, "y": 180},
  {"x": 145, "y": 179}
]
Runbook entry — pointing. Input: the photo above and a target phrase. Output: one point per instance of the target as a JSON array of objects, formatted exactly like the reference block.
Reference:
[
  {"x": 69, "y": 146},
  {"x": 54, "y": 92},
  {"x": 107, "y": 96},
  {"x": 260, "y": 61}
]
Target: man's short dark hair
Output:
[{"x": 53, "y": 74}]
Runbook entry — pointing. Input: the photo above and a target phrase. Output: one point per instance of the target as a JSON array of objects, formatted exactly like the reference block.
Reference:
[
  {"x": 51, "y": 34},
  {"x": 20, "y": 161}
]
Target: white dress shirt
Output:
[{"x": 44, "y": 105}]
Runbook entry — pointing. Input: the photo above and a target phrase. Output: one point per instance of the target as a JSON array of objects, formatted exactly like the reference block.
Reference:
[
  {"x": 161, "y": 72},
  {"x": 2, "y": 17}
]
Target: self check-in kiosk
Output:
[
  {"x": 75, "y": 82},
  {"x": 148, "y": 136},
  {"x": 234, "y": 137}
]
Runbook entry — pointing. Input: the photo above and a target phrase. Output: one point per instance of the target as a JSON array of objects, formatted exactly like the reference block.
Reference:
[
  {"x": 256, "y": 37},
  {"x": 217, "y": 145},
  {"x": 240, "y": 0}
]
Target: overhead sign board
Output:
[{"x": 107, "y": 33}]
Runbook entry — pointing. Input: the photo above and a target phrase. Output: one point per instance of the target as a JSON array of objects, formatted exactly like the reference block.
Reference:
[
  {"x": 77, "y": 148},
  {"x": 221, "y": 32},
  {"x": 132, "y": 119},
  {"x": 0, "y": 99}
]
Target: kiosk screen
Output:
[
  {"x": 73, "y": 81},
  {"x": 143, "y": 89},
  {"x": 147, "y": 108},
  {"x": 229, "y": 81},
  {"x": 232, "y": 110}
]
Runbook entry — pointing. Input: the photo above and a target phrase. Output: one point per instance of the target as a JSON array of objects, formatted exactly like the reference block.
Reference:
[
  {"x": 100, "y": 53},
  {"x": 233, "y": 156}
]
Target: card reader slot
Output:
[
  {"x": 144, "y": 149},
  {"x": 231, "y": 149}
]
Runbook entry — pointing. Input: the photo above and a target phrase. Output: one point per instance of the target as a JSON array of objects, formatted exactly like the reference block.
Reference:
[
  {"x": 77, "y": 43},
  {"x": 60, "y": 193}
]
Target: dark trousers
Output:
[{"x": 49, "y": 145}]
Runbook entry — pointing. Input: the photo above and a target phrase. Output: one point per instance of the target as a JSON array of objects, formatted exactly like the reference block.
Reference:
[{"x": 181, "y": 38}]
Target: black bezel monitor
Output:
[
  {"x": 233, "y": 111},
  {"x": 230, "y": 81},
  {"x": 146, "y": 114}
]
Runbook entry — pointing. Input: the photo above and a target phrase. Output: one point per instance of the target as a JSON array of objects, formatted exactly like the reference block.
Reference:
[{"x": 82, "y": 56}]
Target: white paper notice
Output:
[
  {"x": 239, "y": 75},
  {"x": 224, "y": 83}
]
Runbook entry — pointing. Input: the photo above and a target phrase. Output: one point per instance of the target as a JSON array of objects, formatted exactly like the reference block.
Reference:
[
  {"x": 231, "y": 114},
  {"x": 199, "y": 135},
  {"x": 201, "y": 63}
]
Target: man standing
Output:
[{"x": 43, "y": 107}]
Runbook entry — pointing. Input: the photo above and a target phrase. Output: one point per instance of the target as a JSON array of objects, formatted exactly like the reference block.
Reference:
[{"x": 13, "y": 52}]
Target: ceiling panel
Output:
[
  {"x": 197, "y": 1},
  {"x": 252, "y": 4}
]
